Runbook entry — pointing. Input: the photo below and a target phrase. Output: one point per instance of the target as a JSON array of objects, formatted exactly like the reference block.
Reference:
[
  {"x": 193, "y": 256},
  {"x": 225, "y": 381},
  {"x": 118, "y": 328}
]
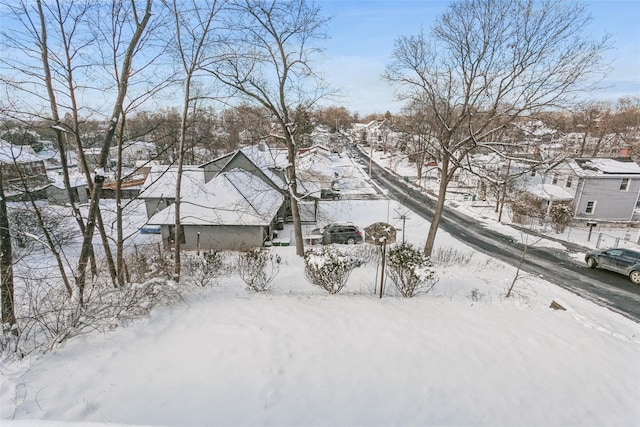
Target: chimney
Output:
[{"x": 625, "y": 152}]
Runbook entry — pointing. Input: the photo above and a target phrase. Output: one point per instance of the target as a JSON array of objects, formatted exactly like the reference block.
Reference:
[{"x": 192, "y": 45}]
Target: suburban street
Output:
[{"x": 608, "y": 289}]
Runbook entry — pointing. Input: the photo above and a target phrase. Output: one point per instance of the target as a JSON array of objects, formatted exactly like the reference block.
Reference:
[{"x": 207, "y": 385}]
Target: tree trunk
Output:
[
  {"x": 181, "y": 144},
  {"x": 6, "y": 265},
  {"x": 119, "y": 267},
  {"x": 437, "y": 213},
  {"x": 293, "y": 189}
]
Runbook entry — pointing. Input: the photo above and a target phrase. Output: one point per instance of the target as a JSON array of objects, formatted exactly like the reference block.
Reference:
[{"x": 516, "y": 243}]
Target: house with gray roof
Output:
[{"x": 236, "y": 210}]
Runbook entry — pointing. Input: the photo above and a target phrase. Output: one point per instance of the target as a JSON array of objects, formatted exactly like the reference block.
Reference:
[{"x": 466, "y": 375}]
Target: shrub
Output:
[
  {"x": 149, "y": 262},
  {"x": 204, "y": 270},
  {"x": 560, "y": 215},
  {"x": 329, "y": 268},
  {"x": 526, "y": 206},
  {"x": 258, "y": 268},
  {"x": 411, "y": 270},
  {"x": 46, "y": 315}
]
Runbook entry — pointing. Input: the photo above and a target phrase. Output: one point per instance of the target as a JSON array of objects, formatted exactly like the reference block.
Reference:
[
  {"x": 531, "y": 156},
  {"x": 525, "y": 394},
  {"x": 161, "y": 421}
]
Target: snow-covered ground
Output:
[{"x": 460, "y": 355}]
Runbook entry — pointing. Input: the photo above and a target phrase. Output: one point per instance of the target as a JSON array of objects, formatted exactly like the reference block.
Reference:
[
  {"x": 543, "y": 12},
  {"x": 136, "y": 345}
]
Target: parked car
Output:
[
  {"x": 620, "y": 260},
  {"x": 340, "y": 233}
]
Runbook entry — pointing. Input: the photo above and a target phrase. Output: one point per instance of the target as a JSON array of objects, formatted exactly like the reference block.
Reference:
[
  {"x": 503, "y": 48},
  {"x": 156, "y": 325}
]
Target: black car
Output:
[
  {"x": 623, "y": 261},
  {"x": 340, "y": 233}
]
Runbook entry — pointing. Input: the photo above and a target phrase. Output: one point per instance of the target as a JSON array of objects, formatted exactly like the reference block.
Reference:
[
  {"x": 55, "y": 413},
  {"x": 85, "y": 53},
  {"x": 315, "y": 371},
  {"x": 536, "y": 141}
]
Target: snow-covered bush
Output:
[
  {"x": 329, "y": 268},
  {"x": 149, "y": 262},
  {"x": 560, "y": 215},
  {"x": 258, "y": 268},
  {"x": 448, "y": 256},
  {"x": 411, "y": 270},
  {"x": 205, "y": 269}
]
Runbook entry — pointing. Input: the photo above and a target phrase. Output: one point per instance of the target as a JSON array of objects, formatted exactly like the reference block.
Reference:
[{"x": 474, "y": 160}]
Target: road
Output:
[{"x": 608, "y": 289}]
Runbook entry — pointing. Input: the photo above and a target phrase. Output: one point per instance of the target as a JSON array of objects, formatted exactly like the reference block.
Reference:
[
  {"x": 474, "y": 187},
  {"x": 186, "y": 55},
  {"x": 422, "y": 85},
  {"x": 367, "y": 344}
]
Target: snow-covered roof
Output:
[
  {"x": 161, "y": 182},
  {"x": 76, "y": 179},
  {"x": 235, "y": 197},
  {"x": 10, "y": 153},
  {"x": 604, "y": 166},
  {"x": 549, "y": 192},
  {"x": 142, "y": 144},
  {"x": 266, "y": 157}
]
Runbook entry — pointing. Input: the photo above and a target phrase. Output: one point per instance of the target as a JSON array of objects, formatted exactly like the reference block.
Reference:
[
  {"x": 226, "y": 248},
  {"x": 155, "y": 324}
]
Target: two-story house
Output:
[{"x": 601, "y": 188}]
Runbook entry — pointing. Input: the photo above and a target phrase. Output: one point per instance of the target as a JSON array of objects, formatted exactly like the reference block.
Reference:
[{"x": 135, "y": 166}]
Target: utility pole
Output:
[{"x": 402, "y": 216}]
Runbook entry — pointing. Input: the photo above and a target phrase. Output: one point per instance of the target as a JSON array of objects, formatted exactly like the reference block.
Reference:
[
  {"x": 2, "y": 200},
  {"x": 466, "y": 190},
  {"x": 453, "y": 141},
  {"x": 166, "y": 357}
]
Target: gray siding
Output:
[
  {"x": 220, "y": 237},
  {"x": 610, "y": 202},
  {"x": 60, "y": 196},
  {"x": 155, "y": 205}
]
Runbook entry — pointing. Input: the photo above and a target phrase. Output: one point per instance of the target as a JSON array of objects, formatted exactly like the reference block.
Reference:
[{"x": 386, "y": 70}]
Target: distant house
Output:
[
  {"x": 316, "y": 170},
  {"x": 317, "y": 149},
  {"x": 604, "y": 189},
  {"x": 21, "y": 171},
  {"x": 236, "y": 210},
  {"x": 133, "y": 151},
  {"x": 57, "y": 191}
]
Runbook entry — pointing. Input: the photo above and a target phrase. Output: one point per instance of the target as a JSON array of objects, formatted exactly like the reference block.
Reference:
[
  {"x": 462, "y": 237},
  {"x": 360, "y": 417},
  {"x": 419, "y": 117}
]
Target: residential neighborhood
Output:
[{"x": 319, "y": 213}]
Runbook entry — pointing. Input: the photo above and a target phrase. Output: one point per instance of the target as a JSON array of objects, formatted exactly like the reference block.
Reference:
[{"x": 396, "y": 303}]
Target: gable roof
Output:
[
  {"x": 592, "y": 167},
  {"x": 235, "y": 197},
  {"x": 161, "y": 182}
]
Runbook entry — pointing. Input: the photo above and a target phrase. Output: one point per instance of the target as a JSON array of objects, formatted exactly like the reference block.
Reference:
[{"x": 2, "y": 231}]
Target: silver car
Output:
[{"x": 623, "y": 261}]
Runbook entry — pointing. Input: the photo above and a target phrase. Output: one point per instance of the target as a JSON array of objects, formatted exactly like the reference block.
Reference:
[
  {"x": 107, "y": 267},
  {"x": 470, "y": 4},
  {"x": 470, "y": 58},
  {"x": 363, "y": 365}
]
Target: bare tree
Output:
[
  {"x": 131, "y": 16},
  {"x": 267, "y": 60},
  {"x": 487, "y": 62},
  {"x": 194, "y": 39},
  {"x": 417, "y": 137}
]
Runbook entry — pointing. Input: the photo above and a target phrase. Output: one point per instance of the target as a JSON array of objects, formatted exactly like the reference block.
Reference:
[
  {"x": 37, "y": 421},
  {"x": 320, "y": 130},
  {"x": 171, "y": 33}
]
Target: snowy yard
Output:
[{"x": 460, "y": 355}]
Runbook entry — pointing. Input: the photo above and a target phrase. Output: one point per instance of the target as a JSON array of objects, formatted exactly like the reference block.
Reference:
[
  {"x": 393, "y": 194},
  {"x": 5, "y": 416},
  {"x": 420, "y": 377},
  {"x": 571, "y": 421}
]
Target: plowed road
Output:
[{"x": 611, "y": 290}]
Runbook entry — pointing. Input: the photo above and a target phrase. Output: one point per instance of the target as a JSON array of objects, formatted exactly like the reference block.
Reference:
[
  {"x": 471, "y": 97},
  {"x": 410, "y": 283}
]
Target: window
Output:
[
  {"x": 533, "y": 172},
  {"x": 591, "y": 206},
  {"x": 568, "y": 182},
  {"x": 624, "y": 184},
  {"x": 554, "y": 181}
]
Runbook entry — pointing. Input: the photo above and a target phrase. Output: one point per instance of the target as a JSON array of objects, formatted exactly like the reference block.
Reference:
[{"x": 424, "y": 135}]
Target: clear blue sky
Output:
[{"x": 362, "y": 35}]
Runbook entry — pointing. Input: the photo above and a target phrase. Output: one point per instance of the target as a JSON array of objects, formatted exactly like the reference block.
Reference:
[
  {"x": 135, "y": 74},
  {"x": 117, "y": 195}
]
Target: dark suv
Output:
[{"x": 341, "y": 233}]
